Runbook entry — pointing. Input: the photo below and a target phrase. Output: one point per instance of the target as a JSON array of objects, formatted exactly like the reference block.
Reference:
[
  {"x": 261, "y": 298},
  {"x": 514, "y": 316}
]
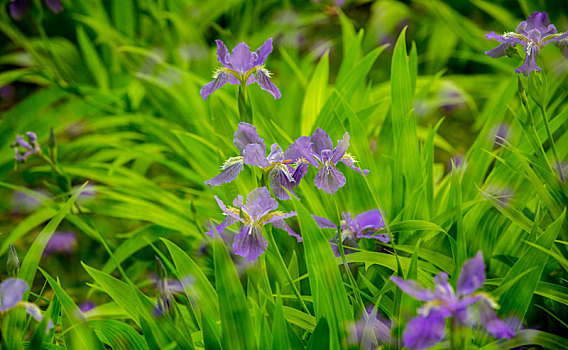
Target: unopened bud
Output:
[{"x": 13, "y": 262}]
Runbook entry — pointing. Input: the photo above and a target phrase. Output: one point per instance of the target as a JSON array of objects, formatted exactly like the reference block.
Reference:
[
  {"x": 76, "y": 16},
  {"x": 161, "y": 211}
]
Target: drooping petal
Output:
[
  {"x": 280, "y": 181},
  {"x": 472, "y": 275},
  {"x": 350, "y": 161},
  {"x": 12, "y": 291},
  {"x": 223, "y": 54},
  {"x": 423, "y": 332},
  {"x": 263, "y": 52},
  {"x": 255, "y": 154},
  {"x": 229, "y": 220},
  {"x": 249, "y": 242},
  {"x": 54, "y": 5},
  {"x": 33, "y": 310},
  {"x": 414, "y": 289},
  {"x": 226, "y": 210},
  {"x": 263, "y": 79},
  {"x": 301, "y": 149},
  {"x": 563, "y": 46},
  {"x": 241, "y": 58},
  {"x": 300, "y": 171},
  {"x": 207, "y": 89},
  {"x": 323, "y": 222},
  {"x": 259, "y": 203},
  {"x": 341, "y": 148},
  {"x": 488, "y": 318},
  {"x": 530, "y": 60},
  {"x": 279, "y": 223},
  {"x": 329, "y": 179},
  {"x": 246, "y": 134},
  {"x": 556, "y": 40},
  {"x": 18, "y": 9},
  {"x": 369, "y": 220},
  {"x": 321, "y": 141},
  {"x": 506, "y": 40},
  {"x": 229, "y": 172}
]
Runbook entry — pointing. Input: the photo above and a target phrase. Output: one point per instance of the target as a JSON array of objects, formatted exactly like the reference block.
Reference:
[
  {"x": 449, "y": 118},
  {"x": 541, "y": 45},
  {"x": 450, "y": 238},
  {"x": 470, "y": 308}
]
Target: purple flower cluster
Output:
[
  {"x": 365, "y": 225},
  {"x": 242, "y": 67},
  {"x": 533, "y": 34},
  {"x": 259, "y": 210},
  {"x": 30, "y": 147},
  {"x": 286, "y": 169},
  {"x": 429, "y": 327}
]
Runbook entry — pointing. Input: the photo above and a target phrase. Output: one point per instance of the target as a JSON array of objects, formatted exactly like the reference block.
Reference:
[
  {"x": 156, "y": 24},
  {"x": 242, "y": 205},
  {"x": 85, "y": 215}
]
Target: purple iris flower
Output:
[
  {"x": 31, "y": 147},
  {"x": 370, "y": 330},
  {"x": 319, "y": 152},
  {"x": 12, "y": 291},
  {"x": 87, "y": 306},
  {"x": 533, "y": 34},
  {"x": 365, "y": 225},
  {"x": 64, "y": 242},
  {"x": 278, "y": 165},
  {"x": 19, "y": 8},
  {"x": 429, "y": 327},
  {"x": 242, "y": 67},
  {"x": 259, "y": 210}
]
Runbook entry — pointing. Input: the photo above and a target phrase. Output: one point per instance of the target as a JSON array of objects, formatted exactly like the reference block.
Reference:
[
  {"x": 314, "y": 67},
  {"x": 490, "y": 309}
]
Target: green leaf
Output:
[
  {"x": 118, "y": 335},
  {"x": 315, "y": 95}
]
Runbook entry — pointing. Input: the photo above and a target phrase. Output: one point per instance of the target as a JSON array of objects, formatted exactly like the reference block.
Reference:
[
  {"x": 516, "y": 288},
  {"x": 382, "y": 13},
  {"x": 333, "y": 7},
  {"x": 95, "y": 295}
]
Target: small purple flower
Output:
[
  {"x": 428, "y": 328},
  {"x": 7, "y": 92},
  {"x": 31, "y": 147},
  {"x": 533, "y": 34},
  {"x": 61, "y": 243},
  {"x": 365, "y": 225},
  {"x": 259, "y": 210},
  {"x": 319, "y": 152},
  {"x": 277, "y": 165},
  {"x": 501, "y": 133},
  {"x": 87, "y": 306},
  {"x": 19, "y": 8},
  {"x": 12, "y": 291},
  {"x": 22, "y": 202},
  {"x": 242, "y": 67}
]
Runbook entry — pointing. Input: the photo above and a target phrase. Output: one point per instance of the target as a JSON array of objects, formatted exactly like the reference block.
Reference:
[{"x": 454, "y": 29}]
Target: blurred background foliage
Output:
[{"x": 118, "y": 81}]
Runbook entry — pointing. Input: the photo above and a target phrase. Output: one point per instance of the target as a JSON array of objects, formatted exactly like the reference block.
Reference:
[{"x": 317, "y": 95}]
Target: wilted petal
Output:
[
  {"x": 259, "y": 203},
  {"x": 329, "y": 179},
  {"x": 54, "y": 5},
  {"x": 488, "y": 318},
  {"x": 245, "y": 135},
  {"x": 230, "y": 171},
  {"x": 18, "y": 9},
  {"x": 530, "y": 61},
  {"x": 323, "y": 222},
  {"x": 255, "y": 154},
  {"x": 341, "y": 148},
  {"x": 280, "y": 181},
  {"x": 241, "y": 58},
  {"x": 321, "y": 141},
  {"x": 222, "y": 54},
  {"x": 11, "y": 293},
  {"x": 423, "y": 332},
  {"x": 263, "y": 79},
  {"x": 249, "y": 242},
  {"x": 414, "y": 289},
  {"x": 279, "y": 223},
  {"x": 263, "y": 52},
  {"x": 216, "y": 84},
  {"x": 472, "y": 275}
]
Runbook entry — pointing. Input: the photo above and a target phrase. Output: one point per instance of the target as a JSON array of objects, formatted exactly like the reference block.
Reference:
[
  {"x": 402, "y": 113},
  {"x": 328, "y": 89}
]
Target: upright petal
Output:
[
  {"x": 263, "y": 79},
  {"x": 323, "y": 222},
  {"x": 229, "y": 172},
  {"x": 329, "y": 179},
  {"x": 259, "y": 203},
  {"x": 321, "y": 141},
  {"x": 301, "y": 149},
  {"x": 11, "y": 293},
  {"x": 280, "y": 181},
  {"x": 226, "y": 210},
  {"x": 488, "y": 318},
  {"x": 246, "y": 134},
  {"x": 223, "y": 54},
  {"x": 472, "y": 275},
  {"x": 414, "y": 289},
  {"x": 341, "y": 148},
  {"x": 538, "y": 24},
  {"x": 249, "y": 242},
  {"x": 369, "y": 222},
  {"x": 255, "y": 154},
  {"x": 276, "y": 154},
  {"x": 263, "y": 52},
  {"x": 241, "y": 58},
  {"x": 207, "y": 89},
  {"x": 530, "y": 65},
  {"x": 279, "y": 223},
  {"x": 423, "y": 332}
]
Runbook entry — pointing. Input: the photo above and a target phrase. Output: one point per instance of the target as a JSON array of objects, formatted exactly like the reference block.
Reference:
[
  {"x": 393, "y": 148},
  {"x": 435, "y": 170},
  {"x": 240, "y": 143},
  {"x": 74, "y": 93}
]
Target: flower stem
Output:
[
  {"x": 245, "y": 110},
  {"x": 551, "y": 140},
  {"x": 457, "y": 336}
]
